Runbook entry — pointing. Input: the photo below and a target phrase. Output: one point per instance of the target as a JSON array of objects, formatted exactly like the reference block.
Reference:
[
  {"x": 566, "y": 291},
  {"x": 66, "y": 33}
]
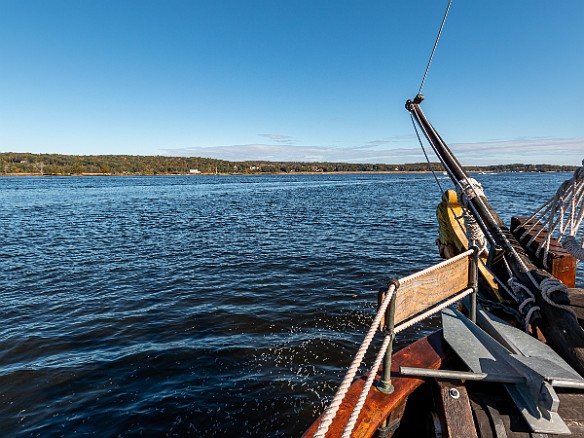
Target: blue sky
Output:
[{"x": 299, "y": 80}]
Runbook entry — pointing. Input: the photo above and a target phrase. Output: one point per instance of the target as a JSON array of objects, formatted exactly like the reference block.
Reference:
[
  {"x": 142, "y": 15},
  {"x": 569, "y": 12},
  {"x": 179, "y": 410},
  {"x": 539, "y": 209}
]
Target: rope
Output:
[
  {"x": 331, "y": 411},
  {"x": 426, "y": 154},
  {"x": 498, "y": 280},
  {"x": 435, "y": 46},
  {"x": 517, "y": 286},
  {"x": 474, "y": 232},
  {"x": 560, "y": 218},
  {"x": 573, "y": 247},
  {"x": 492, "y": 306},
  {"x": 551, "y": 285},
  {"x": 469, "y": 189},
  {"x": 416, "y": 275},
  {"x": 366, "y": 388}
]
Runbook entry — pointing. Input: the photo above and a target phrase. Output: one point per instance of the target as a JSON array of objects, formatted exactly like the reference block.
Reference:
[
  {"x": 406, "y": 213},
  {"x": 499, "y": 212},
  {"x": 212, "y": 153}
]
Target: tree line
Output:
[{"x": 12, "y": 163}]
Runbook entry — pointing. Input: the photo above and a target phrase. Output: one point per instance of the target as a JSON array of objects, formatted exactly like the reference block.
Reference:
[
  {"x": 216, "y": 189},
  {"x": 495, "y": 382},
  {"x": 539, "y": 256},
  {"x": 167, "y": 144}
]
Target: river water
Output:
[{"x": 203, "y": 305}]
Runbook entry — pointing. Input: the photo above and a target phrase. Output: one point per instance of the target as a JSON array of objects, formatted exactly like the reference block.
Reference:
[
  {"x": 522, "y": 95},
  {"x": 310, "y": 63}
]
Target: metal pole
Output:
[
  {"x": 384, "y": 384},
  {"x": 462, "y": 375},
  {"x": 474, "y": 282}
]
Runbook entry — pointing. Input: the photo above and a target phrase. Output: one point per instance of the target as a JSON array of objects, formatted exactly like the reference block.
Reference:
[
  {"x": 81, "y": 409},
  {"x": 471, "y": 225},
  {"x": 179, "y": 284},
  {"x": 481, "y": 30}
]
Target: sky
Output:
[{"x": 292, "y": 80}]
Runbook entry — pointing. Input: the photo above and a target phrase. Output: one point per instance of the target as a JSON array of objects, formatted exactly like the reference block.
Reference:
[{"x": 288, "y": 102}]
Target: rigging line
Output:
[
  {"x": 435, "y": 45},
  {"x": 470, "y": 206},
  {"x": 425, "y": 154},
  {"x": 451, "y": 208}
]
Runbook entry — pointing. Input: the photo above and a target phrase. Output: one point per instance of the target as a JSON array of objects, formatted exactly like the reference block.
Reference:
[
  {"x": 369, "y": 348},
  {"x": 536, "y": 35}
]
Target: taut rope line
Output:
[{"x": 435, "y": 46}]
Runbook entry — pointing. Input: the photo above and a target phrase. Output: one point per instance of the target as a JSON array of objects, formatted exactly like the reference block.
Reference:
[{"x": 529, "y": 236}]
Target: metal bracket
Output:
[{"x": 387, "y": 431}]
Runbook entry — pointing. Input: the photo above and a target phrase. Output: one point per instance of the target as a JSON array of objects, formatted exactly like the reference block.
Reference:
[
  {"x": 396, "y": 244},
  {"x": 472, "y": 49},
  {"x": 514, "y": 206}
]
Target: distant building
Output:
[{"x": 194, "y": 171}]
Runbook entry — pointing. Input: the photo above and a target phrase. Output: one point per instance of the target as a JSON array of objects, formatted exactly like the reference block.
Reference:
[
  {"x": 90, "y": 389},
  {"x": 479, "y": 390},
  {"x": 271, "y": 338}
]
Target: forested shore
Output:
[{"x": 12, "y": 163}]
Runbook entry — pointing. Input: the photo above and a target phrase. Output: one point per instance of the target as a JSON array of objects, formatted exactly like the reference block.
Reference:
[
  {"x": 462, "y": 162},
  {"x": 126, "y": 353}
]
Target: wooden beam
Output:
[{"x": 452, "y": 399}]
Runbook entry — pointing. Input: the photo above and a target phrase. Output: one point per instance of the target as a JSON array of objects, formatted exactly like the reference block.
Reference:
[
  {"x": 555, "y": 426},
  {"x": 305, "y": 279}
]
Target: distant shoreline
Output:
[
  {"x": 362, "y": 172},
  {"x": 27, "y": 164}
]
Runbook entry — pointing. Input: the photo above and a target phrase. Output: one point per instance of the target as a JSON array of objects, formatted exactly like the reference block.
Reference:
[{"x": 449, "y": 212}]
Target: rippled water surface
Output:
[{"x": 210, "y": 306}]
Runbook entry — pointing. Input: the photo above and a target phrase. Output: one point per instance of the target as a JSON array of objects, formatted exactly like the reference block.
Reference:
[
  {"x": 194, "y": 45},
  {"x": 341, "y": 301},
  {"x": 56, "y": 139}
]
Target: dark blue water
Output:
[{"x": 209, "y": 306}]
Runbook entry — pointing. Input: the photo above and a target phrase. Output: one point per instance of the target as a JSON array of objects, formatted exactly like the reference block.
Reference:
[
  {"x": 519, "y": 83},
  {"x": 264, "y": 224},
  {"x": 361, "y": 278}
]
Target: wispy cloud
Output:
[
  {"x": 278, "y": 138},
  {"x": 524, "y": 150},
  {"x": 395, "y": 140},
  {"x": 281, "y": 152}
]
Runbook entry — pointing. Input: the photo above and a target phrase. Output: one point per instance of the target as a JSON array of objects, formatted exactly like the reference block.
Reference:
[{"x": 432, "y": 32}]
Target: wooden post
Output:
[{"x": 454, "y": 406}]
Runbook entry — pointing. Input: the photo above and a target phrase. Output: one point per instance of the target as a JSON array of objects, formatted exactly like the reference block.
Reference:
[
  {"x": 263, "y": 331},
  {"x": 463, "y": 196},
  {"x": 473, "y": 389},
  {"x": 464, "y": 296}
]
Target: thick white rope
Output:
[
  {"x": 366, "y": 388},
  {"x": 560, "y": 217},
  {"x": 469, "y": 188},
  {"x": 331, "y": 411},
  {"x": 474, "y": 231}
]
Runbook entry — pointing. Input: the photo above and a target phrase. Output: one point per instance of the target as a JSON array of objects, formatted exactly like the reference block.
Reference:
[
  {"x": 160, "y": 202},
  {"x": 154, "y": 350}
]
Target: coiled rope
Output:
[
  {"x": 551, "y": 285},
  {"x": 516, "y": 286}
]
